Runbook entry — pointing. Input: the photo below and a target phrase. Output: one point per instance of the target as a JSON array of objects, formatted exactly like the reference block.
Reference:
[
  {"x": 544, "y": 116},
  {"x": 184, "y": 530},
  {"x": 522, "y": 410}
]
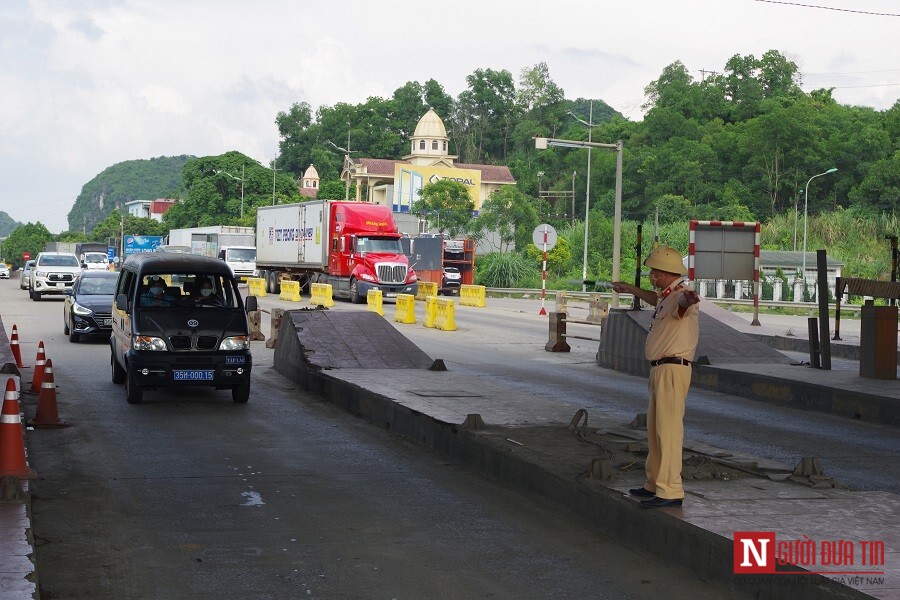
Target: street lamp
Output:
[
  {"x": 805, "y": 217},
  {"x": 541, "y": 144},
  {"x": 241, "y": 179},
  {"x": 587, "y": 193},
  {"x": 347, "y": 152}
]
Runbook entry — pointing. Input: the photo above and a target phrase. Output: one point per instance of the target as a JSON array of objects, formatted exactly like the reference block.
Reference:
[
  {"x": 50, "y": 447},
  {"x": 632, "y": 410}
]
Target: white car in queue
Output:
[{"x": 53, "y": 273}]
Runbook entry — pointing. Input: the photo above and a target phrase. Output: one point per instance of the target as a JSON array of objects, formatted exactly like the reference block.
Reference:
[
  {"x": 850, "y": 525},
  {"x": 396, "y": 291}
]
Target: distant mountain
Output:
[
  {"x": 7, "y": 224},
  {"x": 123, "y": 182}
]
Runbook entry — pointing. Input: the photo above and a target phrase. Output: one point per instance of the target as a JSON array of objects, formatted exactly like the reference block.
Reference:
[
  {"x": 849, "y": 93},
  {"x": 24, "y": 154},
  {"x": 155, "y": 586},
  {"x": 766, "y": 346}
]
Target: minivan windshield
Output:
[{"x": 187, "y": 290}]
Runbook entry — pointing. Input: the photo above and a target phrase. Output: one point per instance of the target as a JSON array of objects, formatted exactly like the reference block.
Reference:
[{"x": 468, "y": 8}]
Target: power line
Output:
[
  {"x": 850, "y": 73},
  {"x": 849, "y": 10},
  {"x": 862, "y": 86}
]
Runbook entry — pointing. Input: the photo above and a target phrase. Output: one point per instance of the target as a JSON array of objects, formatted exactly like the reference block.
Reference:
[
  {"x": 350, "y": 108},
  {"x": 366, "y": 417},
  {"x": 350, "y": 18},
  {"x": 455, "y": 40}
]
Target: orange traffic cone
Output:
[
  {"x": 12, "y": 437},
  {"x": 37, "y": 377},
  {"x": 14, "y": 346},
  {"x": 47, "y": 414}
]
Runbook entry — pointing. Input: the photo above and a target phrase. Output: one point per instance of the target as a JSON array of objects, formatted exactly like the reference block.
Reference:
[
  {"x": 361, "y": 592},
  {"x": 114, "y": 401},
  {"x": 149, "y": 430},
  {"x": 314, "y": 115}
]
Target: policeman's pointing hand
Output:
[{"x": 688, "y": 298}]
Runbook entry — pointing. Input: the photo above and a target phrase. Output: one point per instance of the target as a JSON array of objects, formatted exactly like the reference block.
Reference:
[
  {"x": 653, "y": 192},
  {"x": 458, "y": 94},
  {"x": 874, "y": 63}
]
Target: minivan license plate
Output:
[{"x": 185, "y": 375}]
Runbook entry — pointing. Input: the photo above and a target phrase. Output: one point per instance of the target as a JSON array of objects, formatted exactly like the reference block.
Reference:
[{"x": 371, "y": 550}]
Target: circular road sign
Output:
[
  {"x": 26, "y": 256},
  {"x": 537, "y": 236}
]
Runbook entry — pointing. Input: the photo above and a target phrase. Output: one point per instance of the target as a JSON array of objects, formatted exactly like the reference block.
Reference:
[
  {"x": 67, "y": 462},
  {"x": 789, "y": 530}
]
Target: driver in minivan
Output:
[{"x": 206, "y": 295}]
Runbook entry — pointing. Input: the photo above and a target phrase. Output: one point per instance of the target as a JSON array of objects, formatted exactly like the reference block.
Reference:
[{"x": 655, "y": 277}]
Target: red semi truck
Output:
[{"x": 354, "y": 246}]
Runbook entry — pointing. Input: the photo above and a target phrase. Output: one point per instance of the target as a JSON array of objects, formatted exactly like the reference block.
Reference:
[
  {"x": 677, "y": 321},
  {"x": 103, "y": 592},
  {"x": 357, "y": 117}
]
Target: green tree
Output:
[
  {"x": 511, "y": 214},
  {"x": 880, "y": 190},
  {"x": 31, "y": 238},
  {"x": 486, "y": 115},
  {"x": 448, "y": 205}
]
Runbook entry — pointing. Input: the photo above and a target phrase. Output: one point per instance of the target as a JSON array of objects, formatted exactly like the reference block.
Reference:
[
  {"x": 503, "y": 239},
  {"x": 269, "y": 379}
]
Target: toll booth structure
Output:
[{"x": 878, "y": 327}]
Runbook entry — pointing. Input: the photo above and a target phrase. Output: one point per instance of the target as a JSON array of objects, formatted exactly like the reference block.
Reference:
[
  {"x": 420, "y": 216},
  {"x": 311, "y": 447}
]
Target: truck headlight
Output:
[
  {"x": 235, "y": 342},
  {"x": 411, "y": 276},
  {"x": 146, "y": 342},
  {"x": 81, "y": 310},
  {"x": 367, "y": 277},
  {"x": 40, "y": 273}
]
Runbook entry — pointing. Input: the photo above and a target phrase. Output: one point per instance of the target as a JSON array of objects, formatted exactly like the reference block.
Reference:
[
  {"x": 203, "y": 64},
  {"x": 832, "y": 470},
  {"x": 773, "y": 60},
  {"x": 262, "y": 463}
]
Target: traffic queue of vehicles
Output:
[{"x": 172, "y": 319}]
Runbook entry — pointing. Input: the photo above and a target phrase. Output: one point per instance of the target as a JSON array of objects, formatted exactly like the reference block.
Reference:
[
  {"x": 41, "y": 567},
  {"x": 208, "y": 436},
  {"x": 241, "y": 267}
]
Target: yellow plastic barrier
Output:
[
  {"x": 290, "y": 290},
  {"x": 406, "y": 309},
  {"x": 374, "y": 302},
  {"x": 321, "y": 294},
  {"x": 430, "y": 311},
  {"x": 257, "y": 286},
  {"x": 472, "y": 295},
  {"x": 444, "y": 318},
  {"x": 426, "y": 288}
]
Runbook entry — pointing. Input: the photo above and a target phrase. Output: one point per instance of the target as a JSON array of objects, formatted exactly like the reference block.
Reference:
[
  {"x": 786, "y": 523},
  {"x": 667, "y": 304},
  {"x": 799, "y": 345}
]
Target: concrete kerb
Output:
[{"x": 704, "y": 553}]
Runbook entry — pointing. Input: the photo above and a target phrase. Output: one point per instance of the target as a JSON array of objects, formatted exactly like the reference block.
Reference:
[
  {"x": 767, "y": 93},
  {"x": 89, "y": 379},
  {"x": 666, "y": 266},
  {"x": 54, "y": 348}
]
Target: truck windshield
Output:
[
  {"x": 240, "y": 254},
  {"x": 382, "y": 245},
  {"x": 94, "y": 257}
]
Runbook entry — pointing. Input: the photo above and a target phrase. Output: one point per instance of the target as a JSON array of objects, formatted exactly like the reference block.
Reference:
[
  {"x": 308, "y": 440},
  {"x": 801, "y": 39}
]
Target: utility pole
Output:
[{"x": 274, "y": 170}]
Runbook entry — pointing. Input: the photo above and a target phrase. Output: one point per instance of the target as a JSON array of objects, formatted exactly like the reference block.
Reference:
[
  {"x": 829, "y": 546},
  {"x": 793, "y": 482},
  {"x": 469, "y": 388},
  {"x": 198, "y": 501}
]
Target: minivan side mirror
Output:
[
  {"x": 250, "y": 304},
  {"x": 122, "y": 302}
]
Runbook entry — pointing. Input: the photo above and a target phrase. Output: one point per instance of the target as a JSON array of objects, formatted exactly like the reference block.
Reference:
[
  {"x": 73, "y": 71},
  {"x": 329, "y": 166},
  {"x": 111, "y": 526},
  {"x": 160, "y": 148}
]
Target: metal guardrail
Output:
[{"x": 811, "y": 307}]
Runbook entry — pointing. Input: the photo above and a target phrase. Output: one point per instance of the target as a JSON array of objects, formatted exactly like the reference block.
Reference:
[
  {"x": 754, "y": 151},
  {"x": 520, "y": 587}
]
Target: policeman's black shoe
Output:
[
  {"x": 657, "y": 502},
  {"x": 641, "y": 493}
]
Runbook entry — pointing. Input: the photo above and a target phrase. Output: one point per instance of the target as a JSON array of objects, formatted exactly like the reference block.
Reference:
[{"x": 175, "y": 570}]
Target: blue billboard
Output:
[{"x": 137, "y": 244}]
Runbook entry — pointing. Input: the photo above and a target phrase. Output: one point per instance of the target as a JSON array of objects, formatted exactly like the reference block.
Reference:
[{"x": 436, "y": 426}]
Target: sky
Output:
[{"x": 90, "y": 83}]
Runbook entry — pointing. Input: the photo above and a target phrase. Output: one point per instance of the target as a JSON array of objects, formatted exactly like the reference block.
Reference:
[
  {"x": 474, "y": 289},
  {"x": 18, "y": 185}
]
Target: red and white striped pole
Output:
[{"x": 544, "y": 275}]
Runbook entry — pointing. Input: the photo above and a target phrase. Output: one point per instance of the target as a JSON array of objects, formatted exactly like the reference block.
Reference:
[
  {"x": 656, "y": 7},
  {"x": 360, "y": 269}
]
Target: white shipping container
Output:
[{"x": 292, "y": 235}]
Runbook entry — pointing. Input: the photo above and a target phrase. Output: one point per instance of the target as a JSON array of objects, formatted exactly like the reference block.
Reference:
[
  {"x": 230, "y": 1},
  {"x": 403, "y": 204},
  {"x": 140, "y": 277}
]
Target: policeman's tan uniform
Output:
[{"x": 671, "y": 337}]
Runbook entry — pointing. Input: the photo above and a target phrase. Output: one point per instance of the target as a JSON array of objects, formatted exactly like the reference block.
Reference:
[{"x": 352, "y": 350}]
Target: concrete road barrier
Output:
[
  {"x": 290, "y": 290},
  {"x": 426, "y": 288},
  {"x": 256, "y": 286},
  {"x": 406, "y": 309},
  {"x": 321, "y": 294},
  {"x": 375, "y": 301},
  {"x": 472, "y": 295}
]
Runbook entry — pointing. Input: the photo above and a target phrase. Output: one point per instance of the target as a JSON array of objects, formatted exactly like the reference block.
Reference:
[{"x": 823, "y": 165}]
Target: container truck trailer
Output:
[{"x": 354, "y": 246}]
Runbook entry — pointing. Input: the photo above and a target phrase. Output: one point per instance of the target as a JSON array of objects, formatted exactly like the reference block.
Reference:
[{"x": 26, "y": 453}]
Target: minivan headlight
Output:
[
  {"x": 146, "y": 342},
  {"x": 235, "y": 342}
]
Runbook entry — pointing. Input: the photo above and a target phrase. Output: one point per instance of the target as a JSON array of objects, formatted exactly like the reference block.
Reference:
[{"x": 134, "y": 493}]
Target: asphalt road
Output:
[
  {"x": 189, "y": 495},
  {"x": 505, "y": 343}
]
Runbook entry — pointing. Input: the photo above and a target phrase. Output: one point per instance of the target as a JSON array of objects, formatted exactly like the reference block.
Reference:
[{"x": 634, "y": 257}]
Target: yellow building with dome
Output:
[{"x": 396, "y": 183}]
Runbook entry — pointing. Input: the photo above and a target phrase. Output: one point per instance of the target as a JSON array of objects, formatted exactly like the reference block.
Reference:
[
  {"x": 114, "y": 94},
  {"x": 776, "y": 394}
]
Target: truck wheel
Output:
[
  {"x": 65, "y": 326},
  {"x": 134, "y": 393},
  {"x": 240, "y": 393},
  {"x": 354, "y": 292},
  {"x": 274, "y": 283},
  {"x": 118, "y": 373}
]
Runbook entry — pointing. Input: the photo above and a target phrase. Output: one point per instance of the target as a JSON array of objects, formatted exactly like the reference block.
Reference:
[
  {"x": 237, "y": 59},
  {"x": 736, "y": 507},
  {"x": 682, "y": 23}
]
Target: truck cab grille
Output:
[{"x": 391, "y": 272}]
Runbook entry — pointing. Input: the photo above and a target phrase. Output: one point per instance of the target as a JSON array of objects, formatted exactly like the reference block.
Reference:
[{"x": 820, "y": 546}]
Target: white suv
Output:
[{"x": 53, "y": 273}]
